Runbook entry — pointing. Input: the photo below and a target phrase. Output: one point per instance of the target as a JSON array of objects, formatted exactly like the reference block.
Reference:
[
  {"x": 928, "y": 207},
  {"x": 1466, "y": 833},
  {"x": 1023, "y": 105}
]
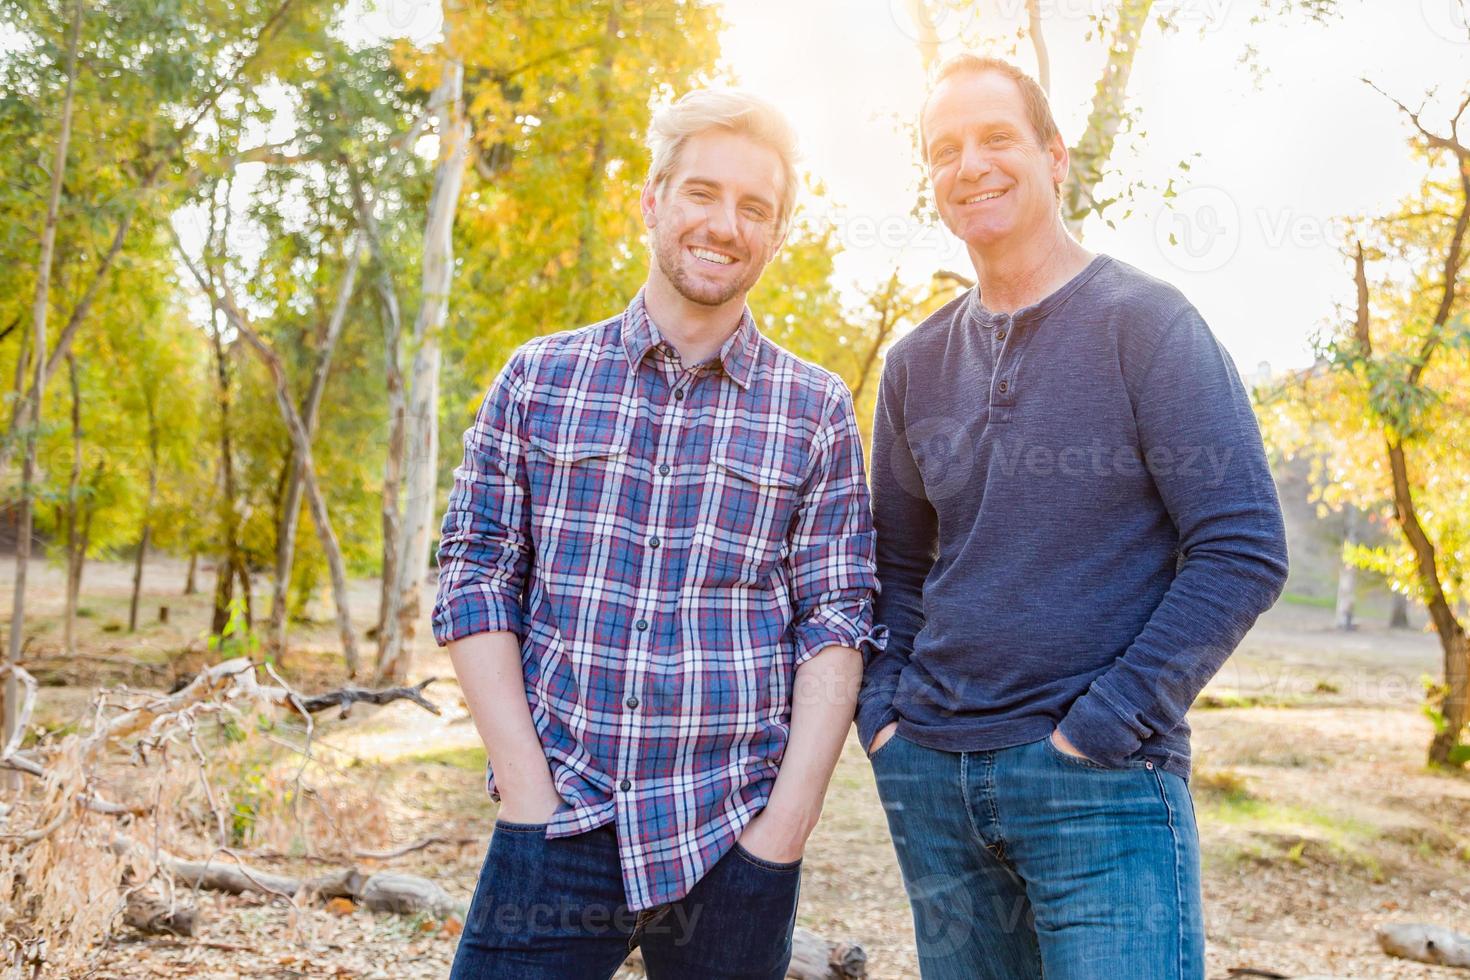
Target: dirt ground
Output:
[{"x": 1318, "y": 819}]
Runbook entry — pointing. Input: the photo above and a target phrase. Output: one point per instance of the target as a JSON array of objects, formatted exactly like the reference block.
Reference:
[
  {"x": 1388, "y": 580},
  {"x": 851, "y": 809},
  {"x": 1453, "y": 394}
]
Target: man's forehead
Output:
[
  {"x": 967, "y": 98},
  {"x": 729, "y": 159}
]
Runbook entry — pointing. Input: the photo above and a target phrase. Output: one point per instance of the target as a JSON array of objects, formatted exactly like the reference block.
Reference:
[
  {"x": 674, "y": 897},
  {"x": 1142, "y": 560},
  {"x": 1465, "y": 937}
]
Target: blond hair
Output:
[{"x": 730, "y": 109}]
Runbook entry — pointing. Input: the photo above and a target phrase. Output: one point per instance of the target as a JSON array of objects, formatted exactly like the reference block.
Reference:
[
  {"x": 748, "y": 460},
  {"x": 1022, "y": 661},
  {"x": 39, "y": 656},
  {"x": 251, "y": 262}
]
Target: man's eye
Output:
[
  {"x": 998, "y": 139},
  {"x": 755, "y": 214}
]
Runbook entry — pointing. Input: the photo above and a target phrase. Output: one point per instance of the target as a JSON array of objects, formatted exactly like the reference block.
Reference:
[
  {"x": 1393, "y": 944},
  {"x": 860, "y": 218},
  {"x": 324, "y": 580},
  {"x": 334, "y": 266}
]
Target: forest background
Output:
[{"x": 259, "y": 260}]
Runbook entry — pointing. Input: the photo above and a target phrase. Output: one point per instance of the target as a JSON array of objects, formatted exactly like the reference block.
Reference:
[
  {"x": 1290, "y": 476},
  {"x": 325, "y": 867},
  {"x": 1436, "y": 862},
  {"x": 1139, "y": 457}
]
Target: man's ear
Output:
[
  {"x": 1061, "y": 159},
  {"x": 647, "y": 203}
]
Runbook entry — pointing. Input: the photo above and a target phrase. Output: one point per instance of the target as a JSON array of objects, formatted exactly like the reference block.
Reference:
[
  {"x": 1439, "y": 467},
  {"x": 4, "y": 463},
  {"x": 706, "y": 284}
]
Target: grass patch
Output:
[
  {"x": 468, "y": 758},
  {"x": 1316, "y": 602},
  {"x": 1221, "y": 784},
  {"x": 1222, "y": 699}
]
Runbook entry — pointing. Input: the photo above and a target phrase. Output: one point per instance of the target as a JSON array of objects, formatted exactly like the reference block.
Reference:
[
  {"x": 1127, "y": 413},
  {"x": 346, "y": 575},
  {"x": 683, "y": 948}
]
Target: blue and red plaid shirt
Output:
[{"x": 669, "y": 543}]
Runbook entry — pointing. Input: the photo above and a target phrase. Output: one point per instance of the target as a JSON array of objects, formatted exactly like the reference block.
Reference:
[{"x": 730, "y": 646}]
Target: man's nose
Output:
[
  {"x": 974, "y": 163},
  {"x": 721, "y": 220}
]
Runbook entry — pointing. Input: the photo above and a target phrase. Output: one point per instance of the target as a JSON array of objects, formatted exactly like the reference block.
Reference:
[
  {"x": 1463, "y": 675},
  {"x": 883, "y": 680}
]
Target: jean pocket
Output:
[
  {"x": 885, "y": 746},
  {"x": 763, "y": 864},
  {"x": 520, "y": 828},
  {"x": 1079, "y": 762}
]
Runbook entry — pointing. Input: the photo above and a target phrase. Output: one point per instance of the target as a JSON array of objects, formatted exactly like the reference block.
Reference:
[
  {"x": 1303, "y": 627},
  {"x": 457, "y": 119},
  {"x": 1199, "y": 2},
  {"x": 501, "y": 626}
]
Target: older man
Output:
[
  {"x": 1076, "y": 526},
  {"x": 656, "y": 568}
]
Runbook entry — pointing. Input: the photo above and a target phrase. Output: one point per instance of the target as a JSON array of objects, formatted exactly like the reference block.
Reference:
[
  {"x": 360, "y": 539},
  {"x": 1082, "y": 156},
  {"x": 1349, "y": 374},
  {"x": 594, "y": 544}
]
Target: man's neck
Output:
[
  {"x": 696, "y": 331},
  {"x": 1014, "y": 276}
]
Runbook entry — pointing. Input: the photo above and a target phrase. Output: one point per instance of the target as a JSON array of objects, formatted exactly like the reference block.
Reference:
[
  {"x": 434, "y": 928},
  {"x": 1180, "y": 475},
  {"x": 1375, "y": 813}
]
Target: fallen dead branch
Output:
[
  {"x": 68, "y": 888},
  {"x": 383, "y": 892}
]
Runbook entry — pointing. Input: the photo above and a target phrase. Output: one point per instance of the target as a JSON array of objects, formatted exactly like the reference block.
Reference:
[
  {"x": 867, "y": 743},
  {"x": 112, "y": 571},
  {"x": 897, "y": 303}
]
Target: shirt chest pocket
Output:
[
  {"x": 749, "y": 502},
  {"x": 581, "y": 489}
]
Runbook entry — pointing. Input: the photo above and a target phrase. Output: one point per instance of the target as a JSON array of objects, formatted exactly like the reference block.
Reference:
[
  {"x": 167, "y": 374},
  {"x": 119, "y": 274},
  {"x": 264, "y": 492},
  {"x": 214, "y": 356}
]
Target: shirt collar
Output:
[{"x": 737, "y": 355}]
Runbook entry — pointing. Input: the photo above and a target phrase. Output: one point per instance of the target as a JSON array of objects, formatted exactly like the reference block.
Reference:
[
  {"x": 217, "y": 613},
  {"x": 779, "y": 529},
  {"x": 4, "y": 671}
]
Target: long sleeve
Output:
[
  {"x": 831, "y": 542},
  {"x": 485, "y": 547},
  {"x": 908, "y": 543},
  {"x": 1202, "y": 447}
]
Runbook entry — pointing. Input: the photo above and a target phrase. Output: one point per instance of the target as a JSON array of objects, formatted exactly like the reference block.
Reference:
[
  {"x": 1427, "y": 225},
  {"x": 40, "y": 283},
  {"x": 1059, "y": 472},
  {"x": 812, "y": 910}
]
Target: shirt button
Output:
[
  {"x": 625, "y": 785},
  {"x": 1000, "y": 335},
  {"x": 663, "y": 469},
  {"x": 1004, "y": 387},
  {"x": 641, "y": 625},
  {"x": 679, "y": 395},
  {"x": 632, "y": 702},
  {"x": 653, "y": 542}
]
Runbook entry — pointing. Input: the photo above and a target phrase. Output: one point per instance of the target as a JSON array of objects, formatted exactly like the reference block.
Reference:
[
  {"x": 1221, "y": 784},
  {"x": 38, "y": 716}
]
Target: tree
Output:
[
  {"x": 31, "y": 412},
  {"x": 1394, "y": 375}
]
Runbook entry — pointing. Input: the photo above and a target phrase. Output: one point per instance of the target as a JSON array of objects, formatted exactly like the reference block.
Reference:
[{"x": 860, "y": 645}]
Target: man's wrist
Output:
[{"x": 800, "y": 816}]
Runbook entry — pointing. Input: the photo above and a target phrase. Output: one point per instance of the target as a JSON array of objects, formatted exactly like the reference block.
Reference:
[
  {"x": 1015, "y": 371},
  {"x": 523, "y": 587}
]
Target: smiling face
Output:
[
  {"x": 994, "y": 179},
  {"x": 715, "y": 220}
]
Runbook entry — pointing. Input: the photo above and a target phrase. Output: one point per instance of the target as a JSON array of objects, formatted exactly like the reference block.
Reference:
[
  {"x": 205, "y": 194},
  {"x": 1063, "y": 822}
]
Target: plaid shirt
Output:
[{"x": 669, "y": 543}]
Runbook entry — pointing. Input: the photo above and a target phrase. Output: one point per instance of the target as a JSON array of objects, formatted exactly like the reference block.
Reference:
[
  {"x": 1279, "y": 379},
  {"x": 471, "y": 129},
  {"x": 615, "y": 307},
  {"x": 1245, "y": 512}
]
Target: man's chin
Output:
[{"x": 707, "y": 293}]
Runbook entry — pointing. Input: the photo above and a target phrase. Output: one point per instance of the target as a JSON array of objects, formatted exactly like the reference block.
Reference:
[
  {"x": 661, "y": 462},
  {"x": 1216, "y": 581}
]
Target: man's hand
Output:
[
  {"x": 881, "y": 739},
  {"x": 1066, "y": 747},
  {"x": 775, "y": 836}
]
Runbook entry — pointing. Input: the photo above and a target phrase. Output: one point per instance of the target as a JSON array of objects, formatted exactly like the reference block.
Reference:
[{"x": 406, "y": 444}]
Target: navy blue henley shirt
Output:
[{"x": 1076, "y": 522}]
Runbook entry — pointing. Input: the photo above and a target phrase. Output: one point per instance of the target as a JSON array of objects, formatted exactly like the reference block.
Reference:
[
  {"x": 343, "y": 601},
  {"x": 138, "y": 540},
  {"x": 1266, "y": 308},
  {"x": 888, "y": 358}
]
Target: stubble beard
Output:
[{"x": 669, "y": 255}]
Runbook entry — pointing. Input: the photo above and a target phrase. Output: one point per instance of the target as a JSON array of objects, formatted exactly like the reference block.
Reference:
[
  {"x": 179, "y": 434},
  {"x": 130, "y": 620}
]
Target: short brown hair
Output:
[{"x": 1038, "y": 106}]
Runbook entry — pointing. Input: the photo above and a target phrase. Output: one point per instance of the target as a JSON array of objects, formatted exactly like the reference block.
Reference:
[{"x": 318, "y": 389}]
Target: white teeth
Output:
[
  {"x": 708, "y": 256},
  {"x": 982, "y": 197}
]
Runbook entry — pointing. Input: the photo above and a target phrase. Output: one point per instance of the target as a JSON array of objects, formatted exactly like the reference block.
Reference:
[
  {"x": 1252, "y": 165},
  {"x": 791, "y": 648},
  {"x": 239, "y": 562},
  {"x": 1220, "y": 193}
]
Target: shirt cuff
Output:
[
  {"x": 873, "y": 716},
  {"x": 474, "y": 609},
  {"x": 1099, "y": 732},
  {"x": 835, "y": 626}
]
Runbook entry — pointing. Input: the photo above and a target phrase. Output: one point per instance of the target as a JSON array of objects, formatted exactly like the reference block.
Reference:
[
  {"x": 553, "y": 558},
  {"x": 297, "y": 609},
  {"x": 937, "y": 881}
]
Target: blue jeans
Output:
[
  {"x": 1024, "y": 861},
  {"x": 555, "y": 910}
]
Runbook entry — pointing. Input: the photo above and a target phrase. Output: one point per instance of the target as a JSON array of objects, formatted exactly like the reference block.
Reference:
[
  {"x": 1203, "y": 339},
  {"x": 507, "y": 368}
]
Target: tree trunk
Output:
[
  {"x": 1347, "y": 573},
  {"x": 73, "y": 533},
  {"x": 147, "y": 532},
  {"x": 32, "y": 411},
  {"x": 223, "y": 299},
  {"x": 1398, "y": 614},
  {"x": 422, "y": 425},
  {"x": 227, "y": 566},
  {"x": 291, "y": 508},
  {"x": 1455, "y": 705},
  {"x": 1090, "y": 155},
  {"x": 1038, "y": 43}
]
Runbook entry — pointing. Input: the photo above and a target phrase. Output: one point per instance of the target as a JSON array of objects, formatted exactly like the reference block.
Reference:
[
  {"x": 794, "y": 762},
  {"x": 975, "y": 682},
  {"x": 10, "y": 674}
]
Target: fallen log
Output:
[
  {"x": 385, "y": 892},
  {"x": 816, "y": 958},
  {"x": 152, "y": 916},
  {"x": 1425, "y": 943}
]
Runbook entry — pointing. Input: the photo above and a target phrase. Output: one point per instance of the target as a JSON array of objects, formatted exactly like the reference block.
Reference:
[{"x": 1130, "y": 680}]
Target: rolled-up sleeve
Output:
[
  {"x": 485, "y": 542},
  {"x": 831, "y": 559}
]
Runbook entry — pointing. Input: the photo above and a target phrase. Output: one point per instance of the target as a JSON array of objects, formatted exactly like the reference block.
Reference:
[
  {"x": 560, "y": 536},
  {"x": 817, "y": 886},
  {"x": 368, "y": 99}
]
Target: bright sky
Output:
[
  {"x": 1274, "y": 160},
  {"x": 1278, "y": 161}
]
